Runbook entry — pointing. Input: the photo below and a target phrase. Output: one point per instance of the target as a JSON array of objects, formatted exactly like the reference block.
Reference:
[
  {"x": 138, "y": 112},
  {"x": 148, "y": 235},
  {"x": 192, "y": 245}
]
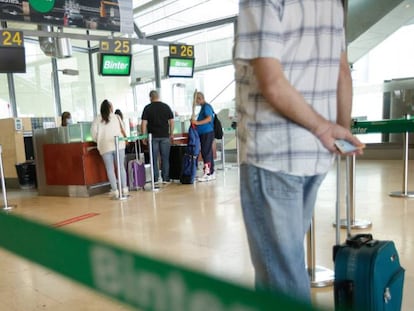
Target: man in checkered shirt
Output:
[{"x": 294, "y": 98}]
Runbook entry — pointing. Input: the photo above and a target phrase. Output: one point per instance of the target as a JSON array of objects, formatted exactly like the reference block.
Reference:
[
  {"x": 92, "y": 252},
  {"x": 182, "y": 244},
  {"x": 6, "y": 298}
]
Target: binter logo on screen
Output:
[
  {"x": 42, "y": 6},
  {"x": 115, "y": 65}
]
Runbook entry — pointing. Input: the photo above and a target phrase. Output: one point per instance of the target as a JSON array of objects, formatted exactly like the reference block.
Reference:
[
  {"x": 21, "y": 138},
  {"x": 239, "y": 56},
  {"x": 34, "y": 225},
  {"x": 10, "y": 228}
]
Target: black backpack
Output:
[{"x": 218, "y": 129}]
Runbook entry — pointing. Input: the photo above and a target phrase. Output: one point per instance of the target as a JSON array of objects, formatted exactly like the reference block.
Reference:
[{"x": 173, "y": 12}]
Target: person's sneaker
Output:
[
  {"x": 205, "y": 177},
  {"x": 166, "y": 182},
  {"x": 114, "y": 194},
  {"x": 125, "y": 191}
]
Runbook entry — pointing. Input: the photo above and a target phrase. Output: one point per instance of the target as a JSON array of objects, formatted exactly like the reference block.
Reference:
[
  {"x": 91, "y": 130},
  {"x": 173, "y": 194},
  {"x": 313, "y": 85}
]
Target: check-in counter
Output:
[{"x": 68, "y": 162}]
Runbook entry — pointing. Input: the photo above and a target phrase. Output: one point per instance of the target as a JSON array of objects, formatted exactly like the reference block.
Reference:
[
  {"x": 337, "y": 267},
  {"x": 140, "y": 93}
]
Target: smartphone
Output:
[{"x": 345, "y": 146}]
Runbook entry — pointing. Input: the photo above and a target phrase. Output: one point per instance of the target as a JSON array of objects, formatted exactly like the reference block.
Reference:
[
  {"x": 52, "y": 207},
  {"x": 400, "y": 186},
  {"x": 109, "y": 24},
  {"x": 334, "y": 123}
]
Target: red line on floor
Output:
[{"x": 74, "y": 219}]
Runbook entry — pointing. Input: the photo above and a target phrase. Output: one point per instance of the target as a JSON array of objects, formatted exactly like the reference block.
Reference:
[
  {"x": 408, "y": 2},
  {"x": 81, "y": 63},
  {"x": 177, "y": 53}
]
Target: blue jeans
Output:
[
  {"x": 161, "y": 146},
  {"x": 109, "y": 159},
  {"x": 277, "y": 211}
]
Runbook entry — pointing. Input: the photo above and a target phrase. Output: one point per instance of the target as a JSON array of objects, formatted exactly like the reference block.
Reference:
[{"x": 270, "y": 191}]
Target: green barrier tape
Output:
[
  {"x": 133, "y": 138},
  {"x": 383, "y": 126},
  {"x": 129, "y": 277}
]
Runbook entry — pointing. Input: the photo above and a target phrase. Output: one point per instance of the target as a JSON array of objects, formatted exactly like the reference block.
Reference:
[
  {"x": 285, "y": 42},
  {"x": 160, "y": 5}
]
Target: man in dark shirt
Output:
[{"x": 158, "y": 119}]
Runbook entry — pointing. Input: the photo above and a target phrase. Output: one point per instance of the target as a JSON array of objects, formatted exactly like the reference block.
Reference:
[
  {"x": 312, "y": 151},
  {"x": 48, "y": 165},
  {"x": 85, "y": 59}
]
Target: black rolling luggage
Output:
[
  {"x": 190, "y": 158},
  {"x": 368, "y": 275},
  {"x": 177, "y": 152}
]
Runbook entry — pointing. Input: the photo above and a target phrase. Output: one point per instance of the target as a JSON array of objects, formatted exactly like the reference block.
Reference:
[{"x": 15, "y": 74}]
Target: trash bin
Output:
[{"x": 26, "y": 173}]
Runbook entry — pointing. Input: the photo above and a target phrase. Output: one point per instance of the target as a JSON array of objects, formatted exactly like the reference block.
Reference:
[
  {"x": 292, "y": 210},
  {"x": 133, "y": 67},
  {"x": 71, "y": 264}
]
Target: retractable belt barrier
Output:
[
  {"x": 137, "y": 280},
  {"x": 404, "y": 125},
  {"x": 383, "y": 126}
]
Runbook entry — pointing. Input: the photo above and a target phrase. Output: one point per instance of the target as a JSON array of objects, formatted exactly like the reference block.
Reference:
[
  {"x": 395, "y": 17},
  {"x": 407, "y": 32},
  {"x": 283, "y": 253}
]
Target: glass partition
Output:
[
  {"x": 5, "y": 109},
  {"x": 80, "y": 132},
  {"x": 383, "y": 83}
]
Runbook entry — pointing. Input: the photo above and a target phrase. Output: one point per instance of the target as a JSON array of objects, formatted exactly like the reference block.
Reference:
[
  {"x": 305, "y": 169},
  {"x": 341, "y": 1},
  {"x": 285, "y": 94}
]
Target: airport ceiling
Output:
[
  {"x": 157, "y": 16},
  {"x": 369, "y": 21}
]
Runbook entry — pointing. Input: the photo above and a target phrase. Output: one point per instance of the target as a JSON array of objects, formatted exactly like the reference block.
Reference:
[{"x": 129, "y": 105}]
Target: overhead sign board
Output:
[
  {"x": 180, "y": 63},
  {"x": 117, "y": 46},
  {"x": 113, "y": 15},
  {"x": 181, "y": 50},
  {"x": 12, "y": 52},
  {"x": 11, "y": 38}
]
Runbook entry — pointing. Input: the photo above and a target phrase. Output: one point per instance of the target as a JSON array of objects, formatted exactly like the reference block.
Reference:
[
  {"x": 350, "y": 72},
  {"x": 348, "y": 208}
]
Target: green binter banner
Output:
[
  {"x": 383, "y": 126},
  {"x": 137, "y": 280}
]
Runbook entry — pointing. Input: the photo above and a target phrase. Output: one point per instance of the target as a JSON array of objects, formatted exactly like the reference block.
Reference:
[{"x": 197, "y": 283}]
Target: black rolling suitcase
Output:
[
  {"x": 177, "y": 152},
  {"x": 368, "y": 275},
  {"x": 189, "y": 169},
  {"x": 190, "y": 158}
]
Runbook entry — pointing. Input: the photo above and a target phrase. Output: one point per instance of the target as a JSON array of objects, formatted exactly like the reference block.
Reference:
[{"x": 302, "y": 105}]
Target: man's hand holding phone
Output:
[{"x": 345, "y": 147}]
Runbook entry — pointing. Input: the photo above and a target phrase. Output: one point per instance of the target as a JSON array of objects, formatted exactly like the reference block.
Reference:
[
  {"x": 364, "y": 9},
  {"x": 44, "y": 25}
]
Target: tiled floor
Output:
[{"x": 199, "y": 226}]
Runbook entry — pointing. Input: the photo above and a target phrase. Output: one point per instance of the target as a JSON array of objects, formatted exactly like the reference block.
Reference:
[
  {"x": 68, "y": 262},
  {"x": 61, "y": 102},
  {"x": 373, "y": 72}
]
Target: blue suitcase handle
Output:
[{"x": 358, "y": 240}]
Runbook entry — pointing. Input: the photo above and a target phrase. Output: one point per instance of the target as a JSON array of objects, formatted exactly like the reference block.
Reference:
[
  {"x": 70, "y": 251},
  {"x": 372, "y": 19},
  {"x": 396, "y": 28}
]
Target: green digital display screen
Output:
[
  {"x": 180, "y": 67},
  {"x": 115, "y": 64}
]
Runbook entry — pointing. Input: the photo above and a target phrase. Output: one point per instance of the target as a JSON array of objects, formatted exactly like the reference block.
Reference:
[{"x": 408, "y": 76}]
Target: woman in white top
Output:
[{"x": 104, "y": 128}]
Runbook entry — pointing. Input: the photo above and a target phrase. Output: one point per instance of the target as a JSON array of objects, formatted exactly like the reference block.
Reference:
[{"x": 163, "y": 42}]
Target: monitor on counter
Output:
[
  {"x": 178, "y": 67},
  {"x": 115, "y": 64}
]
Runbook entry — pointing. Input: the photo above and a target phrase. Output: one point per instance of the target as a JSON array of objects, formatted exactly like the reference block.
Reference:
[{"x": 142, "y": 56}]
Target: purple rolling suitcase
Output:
[{"x": 136, "y": 171}]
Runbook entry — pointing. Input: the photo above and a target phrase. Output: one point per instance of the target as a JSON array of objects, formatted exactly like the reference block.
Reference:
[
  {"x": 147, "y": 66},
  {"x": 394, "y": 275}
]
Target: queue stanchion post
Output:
[
  {"x": 223, "y": 167},
  {"x": 223, "y": 156},
  {"x": 338, "y": 202},
  {"x": 237, "y": 147},
  {"x": 350, "y": 197},
  {"x": 319, "y": 276},
  {"x": 6, "y": 206},
  {"x": 121, "y": 196},
  {"x": 151, "y": 156},
  {"x": 404, "y": 193}
]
